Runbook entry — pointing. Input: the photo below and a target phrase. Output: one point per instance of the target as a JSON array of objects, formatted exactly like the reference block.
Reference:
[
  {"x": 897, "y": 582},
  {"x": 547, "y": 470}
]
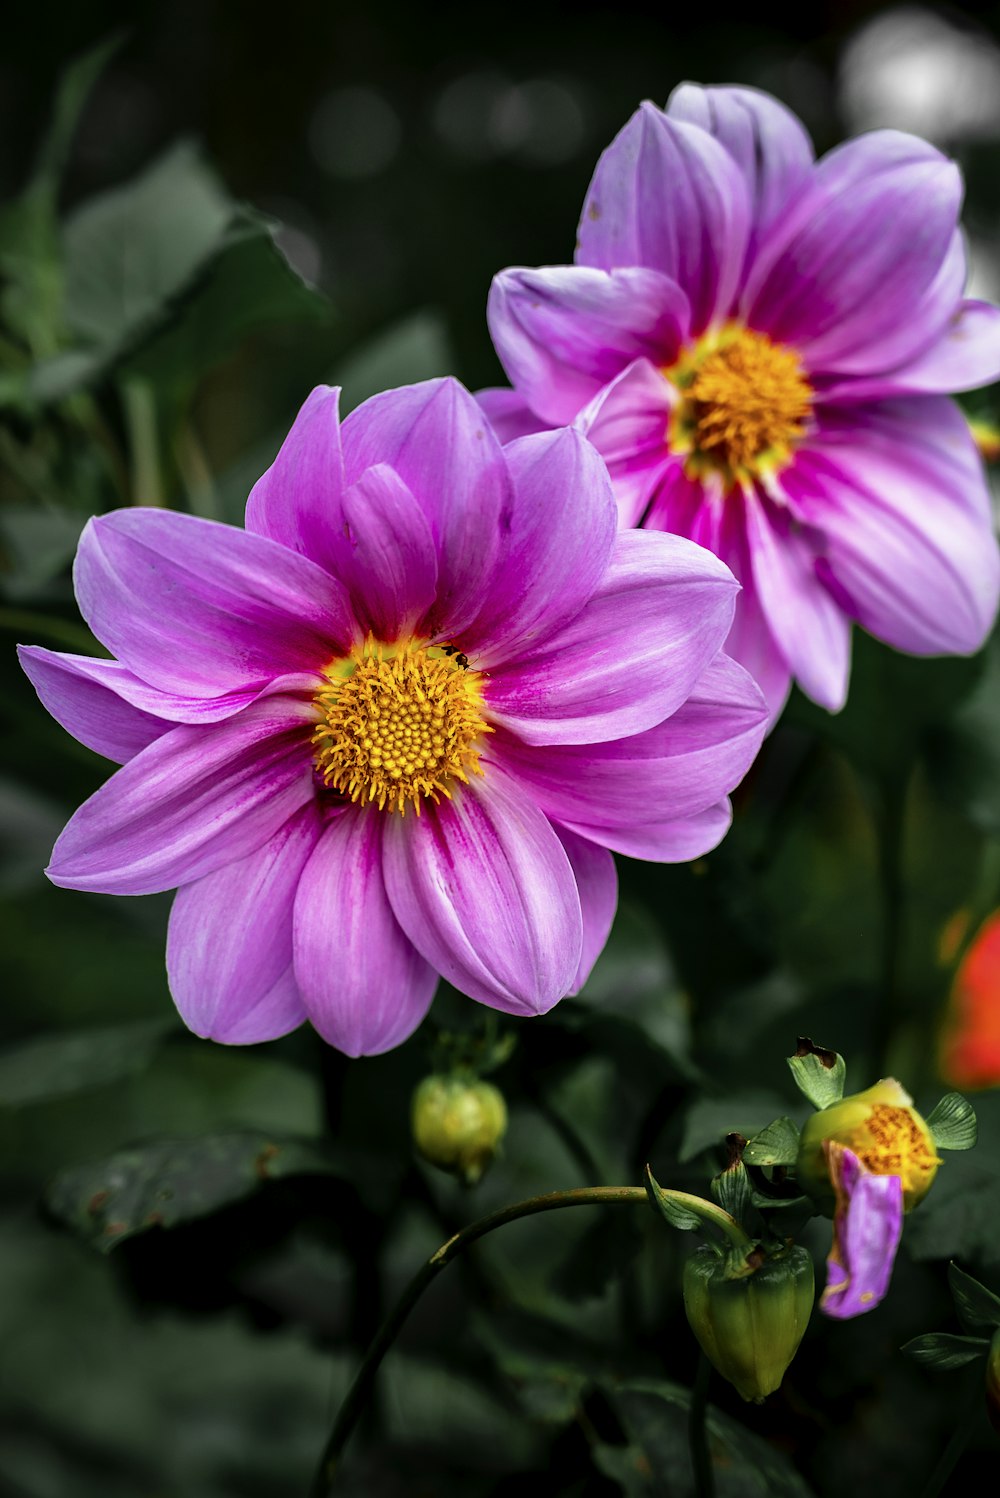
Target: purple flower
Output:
[
  {"x": 392, "y": 729},
  {"x": 867, "y": 1224},
  {"x": 761, "y": 346}
]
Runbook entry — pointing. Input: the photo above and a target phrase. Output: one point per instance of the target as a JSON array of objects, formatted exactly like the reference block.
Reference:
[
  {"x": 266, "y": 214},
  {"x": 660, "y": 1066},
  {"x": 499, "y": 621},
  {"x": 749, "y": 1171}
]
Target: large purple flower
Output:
[
  {"x": 392, "y": 729},
  {"x": 761, "y": 346}
]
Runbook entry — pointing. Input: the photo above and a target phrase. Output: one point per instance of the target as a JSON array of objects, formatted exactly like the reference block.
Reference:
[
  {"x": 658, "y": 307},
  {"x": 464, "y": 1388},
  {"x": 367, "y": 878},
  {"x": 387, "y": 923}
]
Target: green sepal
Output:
[
  {"x": 778, "y": 1144},
  {"x": 819, "y": 1074},
  {"x": 944, "y": 1352},
  {"x": 731, "y": 1187},
  {"x": 978, "y": 1308},
  {"x": 691, "y": 1213},
  {"x": 953, "y": 1123}
]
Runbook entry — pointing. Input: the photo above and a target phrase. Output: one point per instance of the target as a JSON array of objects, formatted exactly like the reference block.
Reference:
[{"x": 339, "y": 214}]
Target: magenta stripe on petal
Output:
[
  {"x": 297, "y": 501},
  {"x": 197, "y": 798},
  {"x": 88, "y": 703},
  {"x": 202, "y": 609},
  {"x": 597, "y": 882},
  {"x": 484, "y": 889},
  {"x": 666, "y": 195},
  {"x": 365, "y": 986},
  {"x": 563, "y": 524},
  {"x": 632, "y": 655},
  {"x": 229, "y": 946},
  {"x": 385, "y": 553},
  {"x": 867, "y": 1227},
  {"x": 563, "y": 332}
]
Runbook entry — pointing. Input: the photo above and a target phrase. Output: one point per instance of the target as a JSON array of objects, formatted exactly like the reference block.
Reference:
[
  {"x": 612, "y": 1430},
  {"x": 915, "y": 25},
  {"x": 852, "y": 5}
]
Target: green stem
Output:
[
  {"x": 358, "y": 1393},
  {"x": 949, "y": 1458},
  {"x": 701, "y": 1459},
  {"x": 139, "y": 404}
]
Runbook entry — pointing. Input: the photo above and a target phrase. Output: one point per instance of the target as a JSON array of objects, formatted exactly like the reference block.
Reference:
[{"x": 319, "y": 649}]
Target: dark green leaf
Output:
[
  {"x": 978, "y": 1308},
  {"x": 819, "y": 1073},
  {"x": 172, "y": 1181},
  {"x": 778, "y": 1144},
  {"x": 943, "y": 1351},
  {"x": 953, "y": 1123},
  {"x": 58, "y": 1064}
]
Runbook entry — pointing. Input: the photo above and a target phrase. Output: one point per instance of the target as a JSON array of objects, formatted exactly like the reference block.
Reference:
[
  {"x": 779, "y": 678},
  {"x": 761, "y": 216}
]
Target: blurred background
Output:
[{"x": 323, "y": 193}]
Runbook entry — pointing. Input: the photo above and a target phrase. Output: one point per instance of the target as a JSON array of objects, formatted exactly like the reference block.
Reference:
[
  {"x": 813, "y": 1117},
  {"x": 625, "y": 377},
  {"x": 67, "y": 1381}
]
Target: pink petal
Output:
[
  {"x": 229, "y": 946},
  {"x": 509, "y": 414},
  {"x": 665, "y": 195},
  {"x": 966, "y": 356},
  {"x": 628, "y": 424},
  {"x": 365, "y": 987},
  {"x": 665, "y": 842},
  {"x": 385, "y": 553},
  {"x": 195, "y": 799},
  {"x": 484, "y": 889},
  {"x": 297, "y": 501},
  {"x": 87, "y": 703},
  {"x": 563, "y": 332},
  {"x": 202, "y": 609},
  {"x": 867, "y": 1228},
  {"x": 597, "y": 883},
  {"x": 632, "y": 655}
]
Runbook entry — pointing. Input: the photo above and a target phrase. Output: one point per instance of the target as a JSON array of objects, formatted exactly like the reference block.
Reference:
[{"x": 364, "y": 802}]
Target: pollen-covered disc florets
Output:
[
  {"x": 745, "y": 404},
  {"x": 399, "y": 722}
]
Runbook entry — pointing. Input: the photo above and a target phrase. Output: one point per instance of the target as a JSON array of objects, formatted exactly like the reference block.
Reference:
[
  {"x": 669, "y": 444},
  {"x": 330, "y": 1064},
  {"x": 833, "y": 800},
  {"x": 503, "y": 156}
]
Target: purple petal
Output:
[
  {"x": 665, "y": 842},
  {"x": 229, "y": 945},
  {"x": 484, "y": 889},
  {"x": 563, "y": 524},
  {"x": 768, "y": 143},
  {"x": 564, "y": 331},
  {"x": 196, "y": 799},
  {"x": 439, "y": 442},
  {"x": 675, "y": 770},
  {"x": 509, "y": 414},
  {"x": 297, "y": 500},
  {"x": 365, "y": 987},
  {"x": 87, "y": 703},
  {"x": 203, "y": 609},
  {"x": 597, "y": 883},
  {"x": 866, "y": 1230},
  {"x": 899, "y": 493},
  {"x": 860, "y": 275},
  {"x": 385, "y": 553},
  {"x": 805, "y": 620},
  {"x": 631, "y": 656},
  {"x": 665, "y": 195},
  {"x": 966, "y": 356},
  {"x": 627, "y": 423}
]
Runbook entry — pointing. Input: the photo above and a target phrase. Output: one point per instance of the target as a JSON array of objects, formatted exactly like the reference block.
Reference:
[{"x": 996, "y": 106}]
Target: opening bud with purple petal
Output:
[
  {"x": 884, "y": 1132},
  {"x": 458, "y": 1124}
]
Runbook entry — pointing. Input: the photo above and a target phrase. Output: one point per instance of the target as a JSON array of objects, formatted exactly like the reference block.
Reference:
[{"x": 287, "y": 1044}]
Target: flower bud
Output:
[
  {"x": 993, "y": 1381},
  {"x": 886, "y": 1133},
  {"x": 750, "y": 1328},
  {"x": 458, "y": 1124}
]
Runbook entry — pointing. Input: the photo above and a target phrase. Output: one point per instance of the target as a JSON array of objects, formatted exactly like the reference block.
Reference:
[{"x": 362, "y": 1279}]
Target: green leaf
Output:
[
  {"x": 942, "y": 1351},
  {"x": 731, "y": 1187},
  {"x": 960, "y": 1216},
  {"x": 818, "y": 1073},
  {"x": 57, "y": 1065},
  {"x": 778, "y": 1144},
  {"x": 417, "y": 348},
  {"x": 977, "y": 1307},
  {"x": 172, "y": 1181},
  {"x": 682, "y": 1210},
  {"x": 953, "y": 1123}
]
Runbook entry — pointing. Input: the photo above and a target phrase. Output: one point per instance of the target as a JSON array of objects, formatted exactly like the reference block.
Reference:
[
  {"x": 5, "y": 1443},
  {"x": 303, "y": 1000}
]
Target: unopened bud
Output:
[
  {"x": 750, "y": 1328},
  {"x": 458, "y": 1124},
  {"x": 883, "y": 1129}
]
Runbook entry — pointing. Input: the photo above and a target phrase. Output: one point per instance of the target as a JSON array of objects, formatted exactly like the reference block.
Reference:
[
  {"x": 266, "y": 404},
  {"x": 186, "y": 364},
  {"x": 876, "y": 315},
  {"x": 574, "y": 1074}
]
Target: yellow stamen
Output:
[
  {"x": 399, "y": 722},
  {"x": 745, "y": 404},
  {"x": 896, "y": 1145}
]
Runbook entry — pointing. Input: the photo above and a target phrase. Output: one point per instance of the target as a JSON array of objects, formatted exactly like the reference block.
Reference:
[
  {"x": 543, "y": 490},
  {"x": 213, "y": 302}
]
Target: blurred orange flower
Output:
[{"x": 971, "y": 1041}]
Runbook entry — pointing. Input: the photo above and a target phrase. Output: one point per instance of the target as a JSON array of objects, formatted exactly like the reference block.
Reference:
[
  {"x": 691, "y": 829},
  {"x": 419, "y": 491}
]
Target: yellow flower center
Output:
[
  {"x": 893, "y": 1143},
  {"x": 398, "y": 722},
  {"x": 745, "y": 403}
]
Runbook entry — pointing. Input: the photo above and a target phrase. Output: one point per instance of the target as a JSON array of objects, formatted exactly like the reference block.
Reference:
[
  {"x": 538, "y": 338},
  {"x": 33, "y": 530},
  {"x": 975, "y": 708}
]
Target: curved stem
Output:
[{"x": 357, "y": 1394}]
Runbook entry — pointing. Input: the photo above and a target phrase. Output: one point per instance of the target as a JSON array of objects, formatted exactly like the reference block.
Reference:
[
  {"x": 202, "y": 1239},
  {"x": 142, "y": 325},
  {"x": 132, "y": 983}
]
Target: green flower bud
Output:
[
  {"x": 458, "y": 1124},
  {"x": 750, "y": 1328},
  {"x": 883, "y": 1129},
  {"x": 993, "y": 1381}
]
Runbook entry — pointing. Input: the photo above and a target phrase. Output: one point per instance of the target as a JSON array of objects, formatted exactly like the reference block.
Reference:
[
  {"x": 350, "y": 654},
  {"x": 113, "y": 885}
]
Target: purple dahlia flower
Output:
[
  {"x": 762, "y": 347},
  {"x": 867, "y": 1225},
  {"x": 392, "y": 729}
]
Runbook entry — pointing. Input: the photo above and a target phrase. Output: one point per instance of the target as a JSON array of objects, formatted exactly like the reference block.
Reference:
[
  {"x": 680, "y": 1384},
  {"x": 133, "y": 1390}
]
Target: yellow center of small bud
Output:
[
  {"x": 399, "y": 722},
  {"x": 745, "y": 402},
  {"x": 893, "y": 1143}
]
